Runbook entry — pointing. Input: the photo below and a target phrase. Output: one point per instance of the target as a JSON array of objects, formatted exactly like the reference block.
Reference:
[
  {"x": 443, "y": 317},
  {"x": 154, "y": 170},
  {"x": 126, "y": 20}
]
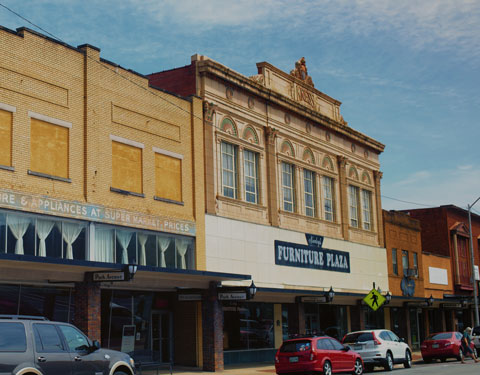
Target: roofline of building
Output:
[
  {"x": 447, "y": 207},
  {"x": 20, "y": 33},
  {"x": 216, "y": 69}
]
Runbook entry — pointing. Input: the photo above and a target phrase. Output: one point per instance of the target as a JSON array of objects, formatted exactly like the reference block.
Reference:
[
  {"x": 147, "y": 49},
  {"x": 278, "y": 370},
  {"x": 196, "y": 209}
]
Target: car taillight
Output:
[
  {"x": 423, "y": 346},
  {"x": 375, "y": 340},
  {"x": 344, "y": 338},
  {"x": 276, "y": 359}
]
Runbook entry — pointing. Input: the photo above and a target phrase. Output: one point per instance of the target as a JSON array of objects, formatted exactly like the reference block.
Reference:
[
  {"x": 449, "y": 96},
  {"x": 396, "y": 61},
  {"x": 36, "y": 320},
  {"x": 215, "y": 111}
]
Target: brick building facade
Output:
[{"x": 99, "y": 170}]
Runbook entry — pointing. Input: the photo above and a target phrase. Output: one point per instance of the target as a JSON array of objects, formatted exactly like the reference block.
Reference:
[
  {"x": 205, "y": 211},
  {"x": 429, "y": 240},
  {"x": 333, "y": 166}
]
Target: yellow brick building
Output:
[{"x": 99, "y": 170}]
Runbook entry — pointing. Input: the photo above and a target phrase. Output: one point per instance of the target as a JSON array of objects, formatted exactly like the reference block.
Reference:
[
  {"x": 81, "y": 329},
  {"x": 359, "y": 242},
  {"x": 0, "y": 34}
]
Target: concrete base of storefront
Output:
[{"x": 246, "y": 369}]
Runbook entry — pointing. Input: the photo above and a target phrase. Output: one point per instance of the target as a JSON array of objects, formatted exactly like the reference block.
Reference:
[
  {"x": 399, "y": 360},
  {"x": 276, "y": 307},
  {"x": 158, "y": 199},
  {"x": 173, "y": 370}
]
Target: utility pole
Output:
[{"x": 475, "y": 295}]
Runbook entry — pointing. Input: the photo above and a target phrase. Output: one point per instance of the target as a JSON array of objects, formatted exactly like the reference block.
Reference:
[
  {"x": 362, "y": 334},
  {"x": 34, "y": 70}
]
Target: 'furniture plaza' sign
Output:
[
  {"x": 298, "y": 255},
  {"x": 78, "y": 210}
]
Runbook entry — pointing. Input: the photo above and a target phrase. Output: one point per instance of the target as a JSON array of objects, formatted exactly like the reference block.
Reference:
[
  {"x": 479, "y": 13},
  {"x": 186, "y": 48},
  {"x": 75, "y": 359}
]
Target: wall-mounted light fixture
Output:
[
  {"x": 388, "y": 298},
  {"x": 130, "y": 270},
  {"x": 251, "y": 291},
  {"x": 330, "y": 294},
  {"x": 430, "y": 300}
]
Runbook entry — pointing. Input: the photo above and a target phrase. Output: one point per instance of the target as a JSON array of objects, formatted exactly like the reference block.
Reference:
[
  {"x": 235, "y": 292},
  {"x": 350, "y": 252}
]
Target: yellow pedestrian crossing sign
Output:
[{"x": 374, "y": 299}]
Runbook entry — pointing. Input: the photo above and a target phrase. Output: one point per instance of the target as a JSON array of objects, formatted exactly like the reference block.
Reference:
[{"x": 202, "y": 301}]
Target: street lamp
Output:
[
  {"x": 130, "y": 271},
  {"x": 251, "y": 290},
  {"x": 475, "y": 297}
]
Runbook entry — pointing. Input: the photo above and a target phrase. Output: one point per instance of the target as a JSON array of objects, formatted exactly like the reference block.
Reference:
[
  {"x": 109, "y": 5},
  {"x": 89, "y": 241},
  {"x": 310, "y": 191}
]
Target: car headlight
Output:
[{"x": 132, "y": 362}]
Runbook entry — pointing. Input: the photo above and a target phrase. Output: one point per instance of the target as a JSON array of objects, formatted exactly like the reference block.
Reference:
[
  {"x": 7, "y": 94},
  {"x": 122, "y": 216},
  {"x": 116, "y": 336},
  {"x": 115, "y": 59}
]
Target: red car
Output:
[
  {"x": 317, "y": 354},
  {"x": 443, "y": 345}
]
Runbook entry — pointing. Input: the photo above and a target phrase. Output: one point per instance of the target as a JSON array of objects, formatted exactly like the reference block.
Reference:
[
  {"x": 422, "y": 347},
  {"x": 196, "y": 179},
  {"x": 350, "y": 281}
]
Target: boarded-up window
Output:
[
  {"x": 49, "y": 148},
  {"x": 126, "y": 167},
  {"x": 6, "y": 138},
  {"x": 168, "y": 177}
]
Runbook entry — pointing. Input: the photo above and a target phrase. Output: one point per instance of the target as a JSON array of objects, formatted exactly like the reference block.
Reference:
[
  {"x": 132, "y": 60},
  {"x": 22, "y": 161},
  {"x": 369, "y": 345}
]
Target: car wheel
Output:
[
  {"x": 408, "y": 359},
  {"x": 358, "y": 369},
  {"x": 460, "y": 355},
  {"x": 327, "y": 368},
  {"x": 388, "y": 362},
  {"x": 427, "y": 360}
]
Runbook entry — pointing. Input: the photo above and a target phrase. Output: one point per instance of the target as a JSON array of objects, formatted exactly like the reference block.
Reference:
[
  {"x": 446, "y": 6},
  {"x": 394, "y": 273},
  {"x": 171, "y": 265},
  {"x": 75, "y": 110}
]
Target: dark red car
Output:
[
  {"x": 317, "y": 354},
  {"x": 443, "y": 345}
]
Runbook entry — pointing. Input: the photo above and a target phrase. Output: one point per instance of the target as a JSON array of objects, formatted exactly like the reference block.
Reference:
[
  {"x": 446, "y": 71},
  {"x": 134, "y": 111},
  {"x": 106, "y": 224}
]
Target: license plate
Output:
[
  {"x": 435, "y": 346},
  {"x": 357, "y": 347},
  {"x": 293, "y": 359}
]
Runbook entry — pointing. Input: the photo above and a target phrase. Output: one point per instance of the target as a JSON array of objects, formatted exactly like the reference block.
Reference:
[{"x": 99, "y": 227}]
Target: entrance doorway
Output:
[
  {"x": 162, "y": 338},
  {"x": 417, "y": 329}
]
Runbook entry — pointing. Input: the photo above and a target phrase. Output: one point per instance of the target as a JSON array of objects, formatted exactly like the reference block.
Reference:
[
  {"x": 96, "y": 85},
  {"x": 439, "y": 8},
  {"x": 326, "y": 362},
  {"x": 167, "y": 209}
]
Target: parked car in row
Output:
[
  {"x": 35, "y": 345},
  {"x": 443, "y": 345},
  {"x": 379, "y": 347},
  {"x": 322, "y": 354}
]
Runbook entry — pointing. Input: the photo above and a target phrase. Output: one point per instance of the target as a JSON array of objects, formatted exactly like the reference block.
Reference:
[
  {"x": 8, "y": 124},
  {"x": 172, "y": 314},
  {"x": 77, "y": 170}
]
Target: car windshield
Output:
[
  {"x": 296, "y": 346},
  {"x": 440, "y": 336},
  {"x": 352, "y": 338}
]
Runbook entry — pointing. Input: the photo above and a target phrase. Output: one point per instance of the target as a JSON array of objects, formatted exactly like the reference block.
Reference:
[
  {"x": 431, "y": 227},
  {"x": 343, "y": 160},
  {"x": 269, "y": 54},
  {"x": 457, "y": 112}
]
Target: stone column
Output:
[
  {"x": 378, "y": 204},
  {"x": 212, "y": 327},
  {"x": 88, "y": 309},
  {"x": 342, "y": 180},
  {"x": 271, "y": 164}
]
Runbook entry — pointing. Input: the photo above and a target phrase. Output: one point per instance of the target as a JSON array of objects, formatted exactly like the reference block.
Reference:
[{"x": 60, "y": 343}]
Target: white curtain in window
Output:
[
  {"x": 163, "y": 244},
  {"x": 104, "y": 245},
  {"x": 182, "y": 247},
  {"x": 124, "y": 240},
  {"x": 44, "y": 227},
  {"x": 70, "y": 232},
  {"x": 18, "y": 226},
  {"x": 142, "y": 239}
]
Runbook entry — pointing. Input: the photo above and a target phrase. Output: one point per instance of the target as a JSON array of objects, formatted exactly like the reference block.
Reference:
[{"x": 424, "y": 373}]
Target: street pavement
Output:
[{"x": 437, "y": 368}]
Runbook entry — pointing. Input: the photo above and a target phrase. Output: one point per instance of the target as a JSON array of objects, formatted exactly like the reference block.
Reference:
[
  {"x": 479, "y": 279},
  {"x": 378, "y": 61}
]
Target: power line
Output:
[{"x": 399, "y": 200}]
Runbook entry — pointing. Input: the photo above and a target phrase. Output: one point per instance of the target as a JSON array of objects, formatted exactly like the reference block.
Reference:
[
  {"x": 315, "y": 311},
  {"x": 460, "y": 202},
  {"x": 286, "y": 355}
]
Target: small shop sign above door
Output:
[{"x": 108, "y": 276}]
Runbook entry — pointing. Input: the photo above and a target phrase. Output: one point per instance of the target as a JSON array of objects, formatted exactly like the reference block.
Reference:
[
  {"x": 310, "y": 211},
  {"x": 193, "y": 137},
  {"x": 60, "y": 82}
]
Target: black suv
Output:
[{"x": 32, "y": 345}]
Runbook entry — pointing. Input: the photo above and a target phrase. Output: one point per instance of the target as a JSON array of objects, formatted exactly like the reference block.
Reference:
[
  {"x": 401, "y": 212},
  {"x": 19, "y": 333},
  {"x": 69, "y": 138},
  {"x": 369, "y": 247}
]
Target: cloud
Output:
[{"x": 415, "y": 178}]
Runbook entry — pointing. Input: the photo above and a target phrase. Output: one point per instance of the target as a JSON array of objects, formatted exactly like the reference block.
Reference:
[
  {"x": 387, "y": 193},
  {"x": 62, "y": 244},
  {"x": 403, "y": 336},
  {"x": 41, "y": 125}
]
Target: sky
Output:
[{"x": 407, "y": 72}]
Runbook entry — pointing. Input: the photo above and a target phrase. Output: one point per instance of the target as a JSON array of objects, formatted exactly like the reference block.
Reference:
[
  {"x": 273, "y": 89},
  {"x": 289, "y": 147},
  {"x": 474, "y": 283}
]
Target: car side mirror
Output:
[
  {"x": 346, "y": 348},
  {"x": 402, "y": 340},
  {"x": 95, "y": 345}
]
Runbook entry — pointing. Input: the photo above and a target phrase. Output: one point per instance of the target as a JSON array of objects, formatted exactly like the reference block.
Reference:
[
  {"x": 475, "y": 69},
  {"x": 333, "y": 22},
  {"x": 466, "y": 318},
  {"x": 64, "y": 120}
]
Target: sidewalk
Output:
[{"x": 247, "y": 369}]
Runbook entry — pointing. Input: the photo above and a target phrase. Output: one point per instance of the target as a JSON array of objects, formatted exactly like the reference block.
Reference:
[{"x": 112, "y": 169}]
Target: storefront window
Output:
[
  {"x": 26, "y": 234},
  {"x": 330, "y": 320},
  {"x": 374, "y": 319},
  {"x": 248, "y": 326},
  {"x": 53, "y": 303}
]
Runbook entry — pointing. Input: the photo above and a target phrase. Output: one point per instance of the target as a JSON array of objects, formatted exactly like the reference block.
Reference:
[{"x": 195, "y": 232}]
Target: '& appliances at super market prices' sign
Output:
[{"x": 77, "y": 210}]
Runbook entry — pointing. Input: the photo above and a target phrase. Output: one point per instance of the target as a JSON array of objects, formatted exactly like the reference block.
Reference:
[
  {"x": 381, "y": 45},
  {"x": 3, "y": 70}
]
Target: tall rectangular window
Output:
[
  {"x": 251, "y": 176},
  {"x": 328, "y": 201},
  {"x": 367, "y": 209},
  {"x": 310, "y": 195},
  {"x": 6, "y": 138},
  {"x": 127, "y": 167},
  {"x": 229, "y": 170},
  {"x": 353, "y": 204},
  {"x": 168, "y": 177},
  {"x": 415, "y": 262},
  {"x": 288, "y": 189},
  {"x": 405, "y": 263},
  {"x": 394, "y": 261},
  {"x": 49, "y": 144}
]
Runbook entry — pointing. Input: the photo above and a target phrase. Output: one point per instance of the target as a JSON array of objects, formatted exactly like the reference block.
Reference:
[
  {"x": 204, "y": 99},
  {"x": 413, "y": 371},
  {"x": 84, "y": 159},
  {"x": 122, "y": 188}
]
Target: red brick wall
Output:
[
  {"x": 88, "y": 309},
  {"x": 180, "y": 81},
  {"x": 435, "y": 236}
]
